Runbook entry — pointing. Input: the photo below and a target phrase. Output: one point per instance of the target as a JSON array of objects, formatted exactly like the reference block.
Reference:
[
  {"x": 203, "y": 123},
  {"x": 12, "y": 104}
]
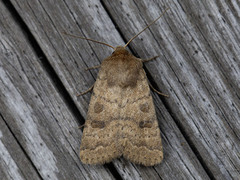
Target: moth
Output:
[{"x": 121, "y": 119}]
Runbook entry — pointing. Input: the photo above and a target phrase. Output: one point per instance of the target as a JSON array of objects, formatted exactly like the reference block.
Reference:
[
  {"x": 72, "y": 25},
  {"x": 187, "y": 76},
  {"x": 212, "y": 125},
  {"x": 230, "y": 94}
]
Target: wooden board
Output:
[
  {"x": 42, "y": 70},
  {"x": 36, "y": 115},
  {"x": 14, "y": 162}
]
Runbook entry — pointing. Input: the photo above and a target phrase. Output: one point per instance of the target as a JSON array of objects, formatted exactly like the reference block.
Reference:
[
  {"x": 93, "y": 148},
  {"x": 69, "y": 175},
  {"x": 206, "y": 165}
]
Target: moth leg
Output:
[
  {"x": 85, "y": 92},
  {"x": 81, "y": 126},
  {"x": 158, "y": 91},
  {"x": 146, "y": 60},
  {"x": 94, "y": 67}
]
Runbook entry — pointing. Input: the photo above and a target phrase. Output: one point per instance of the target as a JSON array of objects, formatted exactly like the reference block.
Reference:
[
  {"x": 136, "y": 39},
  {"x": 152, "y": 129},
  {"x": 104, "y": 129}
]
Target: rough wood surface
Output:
[
  {"x": 36, "y": 115},
  {"x": 41, "y": 70}
]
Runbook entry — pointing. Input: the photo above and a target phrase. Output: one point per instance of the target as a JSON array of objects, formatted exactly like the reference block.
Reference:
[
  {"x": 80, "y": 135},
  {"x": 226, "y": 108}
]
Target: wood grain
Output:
[
  {"x": 199, "y": 67},
  {"x": 36, "y": 116}
]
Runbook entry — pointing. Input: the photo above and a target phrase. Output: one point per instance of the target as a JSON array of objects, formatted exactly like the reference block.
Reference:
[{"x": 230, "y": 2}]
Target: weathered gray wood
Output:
[
  {"x": 14, "y": 163},
  {"x": 36, "y": 114},
  {"x": 199, "y": 69},
  {"x": 198, "y": 43}
]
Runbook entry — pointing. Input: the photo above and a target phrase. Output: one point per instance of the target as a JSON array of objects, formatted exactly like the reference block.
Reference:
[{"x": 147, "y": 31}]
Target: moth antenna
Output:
[
  {"x": 146, "y": 27},
  {"x": 88, "y": 39}
]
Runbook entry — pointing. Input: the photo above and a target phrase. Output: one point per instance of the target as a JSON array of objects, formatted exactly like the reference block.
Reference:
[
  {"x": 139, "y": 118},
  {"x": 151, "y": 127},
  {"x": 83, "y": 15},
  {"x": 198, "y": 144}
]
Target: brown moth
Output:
[{"x": 121, "y": 119}]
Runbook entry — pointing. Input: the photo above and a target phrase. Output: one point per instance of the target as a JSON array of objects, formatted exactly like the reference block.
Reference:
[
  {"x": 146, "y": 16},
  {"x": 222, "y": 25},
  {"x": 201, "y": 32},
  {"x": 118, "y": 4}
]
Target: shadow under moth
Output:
[{"x": 121, "y": 119}]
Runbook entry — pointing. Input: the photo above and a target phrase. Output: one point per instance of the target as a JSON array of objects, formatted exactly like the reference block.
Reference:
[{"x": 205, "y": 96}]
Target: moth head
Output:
[{"x": 120, "y": 50}]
